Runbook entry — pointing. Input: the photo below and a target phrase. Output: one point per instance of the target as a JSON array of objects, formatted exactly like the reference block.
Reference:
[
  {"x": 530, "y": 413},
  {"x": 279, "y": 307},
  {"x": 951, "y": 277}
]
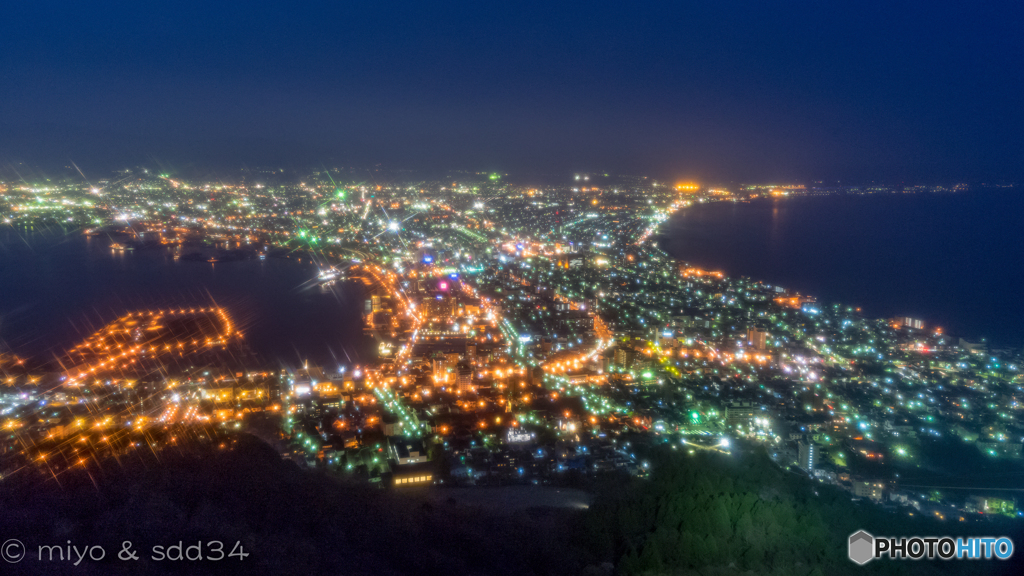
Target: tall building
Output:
[
  {"x": 440, "y": 371},
  {"x": 757, "y": 338},
  {"x": 808, "y": 457},
  {"x": 623, "y": 357},
  {"x": 464, "y": 378}
]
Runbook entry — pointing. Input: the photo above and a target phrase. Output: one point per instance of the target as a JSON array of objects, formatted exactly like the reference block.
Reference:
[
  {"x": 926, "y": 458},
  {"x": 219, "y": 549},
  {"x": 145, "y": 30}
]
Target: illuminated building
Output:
[
  {"x": 868, "y": 489},
  {"x": 740, "y": 414},
  {"x": 808, "y": 456},
  {"x": 413, "y": 464},
  {"x": 796, "y": 302},
  {"x": 908, "y": 322},
  {"x": 413, "y": 475},
  {"x": 464, "y": 380},
  {"x": 440, "y": 306},
  {"x": 757, "y": 338},
  {"x": 623, "y": 357}
]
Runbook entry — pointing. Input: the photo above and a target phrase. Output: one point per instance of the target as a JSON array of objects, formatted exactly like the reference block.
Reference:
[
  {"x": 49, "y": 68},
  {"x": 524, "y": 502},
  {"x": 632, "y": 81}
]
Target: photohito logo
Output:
[{"x": 863, "y": 547}]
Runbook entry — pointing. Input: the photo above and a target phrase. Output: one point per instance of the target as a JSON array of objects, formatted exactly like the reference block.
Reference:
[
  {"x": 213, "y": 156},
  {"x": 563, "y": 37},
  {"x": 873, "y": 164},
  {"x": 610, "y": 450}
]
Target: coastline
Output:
[{"x": 910, "y": 272}]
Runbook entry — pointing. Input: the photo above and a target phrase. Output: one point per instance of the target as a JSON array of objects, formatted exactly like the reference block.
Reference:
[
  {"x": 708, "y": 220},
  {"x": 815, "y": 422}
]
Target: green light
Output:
[
  {"x": 340, "y": 193},
  {"x": 495, "y": 176}
]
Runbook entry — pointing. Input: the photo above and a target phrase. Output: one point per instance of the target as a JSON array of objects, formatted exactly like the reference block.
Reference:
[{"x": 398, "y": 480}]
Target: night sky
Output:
[{"x": 728, "y": 90}]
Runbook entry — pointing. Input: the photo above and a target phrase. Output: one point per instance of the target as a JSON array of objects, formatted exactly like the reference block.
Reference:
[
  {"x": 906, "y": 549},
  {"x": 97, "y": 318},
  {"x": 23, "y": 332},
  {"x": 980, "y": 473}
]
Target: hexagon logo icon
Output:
[{"x": 861, "y": 548}]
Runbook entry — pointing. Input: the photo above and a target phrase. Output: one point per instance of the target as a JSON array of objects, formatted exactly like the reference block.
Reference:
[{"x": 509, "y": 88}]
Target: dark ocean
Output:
[{"x": 952, "y": 260}]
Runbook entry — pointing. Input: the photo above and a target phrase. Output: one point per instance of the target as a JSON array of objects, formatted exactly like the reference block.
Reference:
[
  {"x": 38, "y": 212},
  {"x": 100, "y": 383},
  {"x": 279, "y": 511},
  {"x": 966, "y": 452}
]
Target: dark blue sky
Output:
[{"x": 719, "y": 90}]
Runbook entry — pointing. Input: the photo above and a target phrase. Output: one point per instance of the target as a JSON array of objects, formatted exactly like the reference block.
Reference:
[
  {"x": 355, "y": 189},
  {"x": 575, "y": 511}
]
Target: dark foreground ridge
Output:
[
  {"x": 289, "y": 521},
  {"x": 698, "y": 515}
]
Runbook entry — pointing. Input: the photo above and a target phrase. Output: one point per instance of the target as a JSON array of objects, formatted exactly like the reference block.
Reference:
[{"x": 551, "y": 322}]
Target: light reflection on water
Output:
[{"x": 57, "y": 288}]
